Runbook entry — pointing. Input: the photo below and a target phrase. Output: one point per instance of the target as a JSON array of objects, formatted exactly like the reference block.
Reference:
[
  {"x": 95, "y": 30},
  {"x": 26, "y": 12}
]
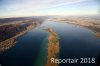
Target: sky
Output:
[{"x": 19, "y": 8}]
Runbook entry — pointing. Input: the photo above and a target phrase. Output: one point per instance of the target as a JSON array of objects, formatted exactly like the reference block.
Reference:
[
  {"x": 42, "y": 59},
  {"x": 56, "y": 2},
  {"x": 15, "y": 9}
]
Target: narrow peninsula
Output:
[{"x": 53, "y": 47}]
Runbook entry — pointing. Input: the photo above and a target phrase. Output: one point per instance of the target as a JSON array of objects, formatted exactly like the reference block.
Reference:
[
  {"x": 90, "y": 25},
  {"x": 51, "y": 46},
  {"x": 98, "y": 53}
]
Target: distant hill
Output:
[{"x": 7, "y": 20}]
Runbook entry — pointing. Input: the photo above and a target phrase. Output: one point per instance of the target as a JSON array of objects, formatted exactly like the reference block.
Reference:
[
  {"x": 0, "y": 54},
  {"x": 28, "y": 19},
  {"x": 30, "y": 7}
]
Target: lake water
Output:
[{"x": 31, "y": 48}]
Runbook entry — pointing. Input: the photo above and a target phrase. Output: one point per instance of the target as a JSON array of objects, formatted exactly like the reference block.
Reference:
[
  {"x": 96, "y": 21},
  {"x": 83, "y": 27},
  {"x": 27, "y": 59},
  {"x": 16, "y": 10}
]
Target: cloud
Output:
[{"x": 36, "y": 4}]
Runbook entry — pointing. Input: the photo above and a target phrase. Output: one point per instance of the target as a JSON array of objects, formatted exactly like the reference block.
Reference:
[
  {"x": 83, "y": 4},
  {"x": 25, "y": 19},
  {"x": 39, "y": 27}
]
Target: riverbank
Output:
[
  {"x": 89, "y": 23},
  {"x": 10, "y": 32},
  {"x": 4, "y": 45}
]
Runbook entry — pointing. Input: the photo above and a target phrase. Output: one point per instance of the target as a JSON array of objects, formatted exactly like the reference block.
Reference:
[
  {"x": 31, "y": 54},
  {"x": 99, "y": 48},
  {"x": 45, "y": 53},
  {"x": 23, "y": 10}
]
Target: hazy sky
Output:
[{"x": 17, "y": 8}]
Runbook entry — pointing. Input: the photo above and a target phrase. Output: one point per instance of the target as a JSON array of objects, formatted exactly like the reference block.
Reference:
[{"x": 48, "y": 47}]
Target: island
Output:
[{"x": 53, "y": 47}]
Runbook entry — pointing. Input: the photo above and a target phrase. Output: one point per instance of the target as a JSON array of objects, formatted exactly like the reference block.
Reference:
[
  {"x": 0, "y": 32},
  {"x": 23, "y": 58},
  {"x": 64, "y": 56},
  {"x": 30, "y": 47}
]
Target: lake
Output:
[{"x": 31, "y": 48}]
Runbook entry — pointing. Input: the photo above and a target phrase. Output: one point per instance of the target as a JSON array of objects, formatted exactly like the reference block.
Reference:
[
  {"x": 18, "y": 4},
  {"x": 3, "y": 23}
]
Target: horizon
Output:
[{"x": 24, "y": 8}]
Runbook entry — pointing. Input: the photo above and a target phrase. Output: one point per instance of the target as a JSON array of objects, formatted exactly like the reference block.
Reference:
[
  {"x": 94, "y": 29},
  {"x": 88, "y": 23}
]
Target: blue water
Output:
[
  {"x": 75, "y": 42},
  {"x": 24, "y": 53}
]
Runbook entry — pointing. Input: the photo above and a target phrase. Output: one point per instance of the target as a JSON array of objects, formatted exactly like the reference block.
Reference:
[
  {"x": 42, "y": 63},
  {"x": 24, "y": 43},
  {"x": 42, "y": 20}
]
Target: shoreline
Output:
[
  {"x": 94, "y": 26},
  {"x": 8, "y": 43}
]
